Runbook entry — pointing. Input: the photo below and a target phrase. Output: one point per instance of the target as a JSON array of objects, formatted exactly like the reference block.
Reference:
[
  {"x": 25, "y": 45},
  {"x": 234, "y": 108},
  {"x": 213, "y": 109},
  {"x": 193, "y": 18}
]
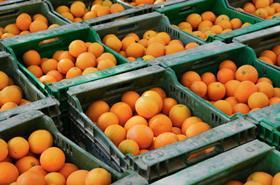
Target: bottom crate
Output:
[
  {"x": 24, "y": 124},
  {"x": 236, "y": 164}
]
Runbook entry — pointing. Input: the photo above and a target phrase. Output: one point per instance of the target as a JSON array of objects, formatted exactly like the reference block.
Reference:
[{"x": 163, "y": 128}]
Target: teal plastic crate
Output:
[
  {"x": 63, "y": 37},
  {"x": 39, "y": 101},
  {"x": 7, "y": 2},
  {"x": 164, "y": 161},
  {"x": 208, "y": 58},
  {"x": 236, "y": 164},
  {"x": 261, "y": 40},
  {"x": 178, "y": 13},
  {"x": 24, "y": 124}
]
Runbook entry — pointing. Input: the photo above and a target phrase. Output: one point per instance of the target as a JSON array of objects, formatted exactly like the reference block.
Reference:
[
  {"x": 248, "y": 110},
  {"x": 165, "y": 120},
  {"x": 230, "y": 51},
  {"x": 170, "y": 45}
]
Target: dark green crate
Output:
[
  {"x": 208, "y": 57},
  {"x": 236, "y": 164},
  {"x": 24, "y": 124},
  {"x": 164, "y": 161},
  {"x": 39, "y": 101},
  {"x": 64, "y": 35},
  {"x": 8, "y": 2},
  {"x": 261, "y": 40},
  {"x": 178, "y": 13}
]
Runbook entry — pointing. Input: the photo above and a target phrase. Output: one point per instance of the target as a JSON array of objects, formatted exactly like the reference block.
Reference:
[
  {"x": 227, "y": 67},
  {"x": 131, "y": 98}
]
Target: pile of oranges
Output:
[
  {"x": 81, "y": 58},
  {"x": 145, "y": 2},
  {"x": 78, "y": 11},
  {"x": 11, "y": 95},
  {"x": 138, "y": 124},
  {"x": 271, "y": 56},
  {"x": 35, "y": 161},
  {"x": 152, "y": 45},
  {"x": 265, "y": 9},
  {"x": 259, "y": 178},
  {"x": 26, "y": 24},
  {"x": 208, "y": 24},
  {"x": 233, "y": 90}
]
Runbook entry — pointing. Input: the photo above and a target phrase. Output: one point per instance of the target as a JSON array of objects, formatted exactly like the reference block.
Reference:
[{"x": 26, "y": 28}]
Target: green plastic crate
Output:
[
  {"x": 236, "y": 164},
  {"x": 7, "y": 2},
  {"x": 160, "y": 5},
  {"x": 164, "y": 161},
  {"x": 178, "y": 13},
  {"x": 39, "y": 101},
  {"x": 261, "y": 40},
  {"x": 24, "y": 124},
  {"x": 208, "y": 58},
  {"x": 142, "y": 23},
  {"x": 64, "y": 35}
]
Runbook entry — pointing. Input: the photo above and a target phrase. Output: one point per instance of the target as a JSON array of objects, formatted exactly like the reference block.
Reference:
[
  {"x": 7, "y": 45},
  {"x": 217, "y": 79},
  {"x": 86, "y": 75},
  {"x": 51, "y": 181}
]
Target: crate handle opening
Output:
[
  {"x": 9, "y": 12},
  {"x": 127, "y": 28},
  {"x": 49, "y": 42}
]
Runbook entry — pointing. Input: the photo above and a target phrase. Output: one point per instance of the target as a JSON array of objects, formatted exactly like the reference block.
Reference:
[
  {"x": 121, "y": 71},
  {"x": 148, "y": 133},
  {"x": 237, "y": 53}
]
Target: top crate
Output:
[{"x": 178, "y": 13}]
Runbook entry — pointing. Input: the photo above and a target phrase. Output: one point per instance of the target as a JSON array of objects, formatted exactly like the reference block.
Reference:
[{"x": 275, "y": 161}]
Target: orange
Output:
[
  {"x": 178, "y": 114},
  {"x": 86, "y": 60},
  {"x": 168, "y": 103},
  {"x": 173, "y": 48},
  {"x": 208, "y": 78},
  {"x": 242, "y": 108},
  {"x": 130, "y": 97},
  {"x": 89, "y": 70},
  {"x": 9, "y": 173},
  {"x": 134, "y": 35},
  {"x": 274, "y": 100},
  {"x": 129, "y": 146},
  {"x": 160, "y": 123},
  {"x": 12, "y": 28},
  {"x": 35, "y": 70},
  {"x": 143, "y": 42},
  {"x": 147, "y": 106},
  {"x": 236, "y": 23},
  {"x": 7, "y": 35},
  {"x": 57, "y": 75},
  {"x": 108, "y": 56},
  {"x": 196, "y": 129},
  {"x": 143, "y": 151},
  {"x": 4, "y": 80},
  {"x": 164, "y": 36},
  {"x": 116, "y": 8},
  {"x": 247, "y": 72},
  {"x": 89, "y": 15},
  {"x": 200, "y": 88},
  {"x": 135, "y": 50},
  {"x": 62, "y": 9},
  {"x": 189, "y": 121},
  {"x": 24, "y": 102},
  {"x": 160, "y": 91},
  {"x": 45, "y": 79},
  {"x": 31, "y": 57},
  {"x": 106, "y": 119},
  {"x": 31, "y": 178},
  {"x": 38, "y": 169},
  {"x": 96, "y": 49},
  {"x": 98, "y": 176},
  {"x": 64, "y": 65},
  {"x": 40, "y": 17},
  {"x": 276, "y": 92},
  {"x": 23, "y": 21},
  {"x": 234, "y": 183},
  {"x": 102, "y": 10},
  {"x": 127, "y": 41},
  {"x": 65, "y": 55},
  {"x": 18, "y": 147},
  {"x": 73, "y": 72},
  {"x": 135, "y": 120},
  {"x": 185, "y": 26},
  {"x": 4, "y": 150},
  {"x": 204, "y": 25},
  {"x": 228, "y": 64},
  {"x": 78, "y": 8},
  {"x": 67, "y": 169},
  {"x": 224, "y": 106},
  {"x": 276, "y": 49},
  {"x": 38, "y": 25},
  {"x": 8, "y": 106},
  {"x": 52, "y": 159},
  {"x": 269, "y": 54},
  {"x": 216, "y": 91},
  {"x": 11, "y": 93},
  {"x": 265, "y": 88},
  {"x": 231, "y": 86},
  {"x": 181, "y": 137},
  {"x": 225, "y": 24},
  {"x": 176, "y": 130},
  {"x": 261, "y": 177},
  {"x": 96, "y": 109},
  {"x": 208, "y": 15},
  {"x": 194, "y": 19},
  {"x": 48, "y": 65},
  {"x": 26, "y": 163},
  {"x": 77, "y": 178},
  {"x": 244, "y": 90},
  {"x": 266, "y": 60},
  {"x": 114, "y": 43},
  {"x": 105, "y": 64},
  {"x": 77, "y": 47},
  {"x": 123, "y": 111},
  {"x": 154, "y": 95},
  {"x": 39, "y": 141},
  {"x": 191, "y": 45},
  {"x": 216, "y": 29},
  {"x": 165, "y": 139},
  {"x": 224, "y": 75},
  {"x": 189, "y": 77},
  {"x": 155, "y": 49},
  {"x": 264, "y": 79},
  {"x": 221, "y": 18},
  {"x": 141, "y": 134},
  {"x": 249, "y": 7},
  {"x": 232, "y": 100},
  {"x": 115, "y": 133},
  {"x": 55, "y": 178},
  {"x": 276, "y": 179},
  {"x": 262, "y": 3},
  {"x": 258, "y": 100}
]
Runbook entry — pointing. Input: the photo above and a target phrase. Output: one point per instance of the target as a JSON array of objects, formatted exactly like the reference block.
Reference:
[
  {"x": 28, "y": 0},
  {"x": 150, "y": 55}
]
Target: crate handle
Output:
[{"x": 3, "y": 14}]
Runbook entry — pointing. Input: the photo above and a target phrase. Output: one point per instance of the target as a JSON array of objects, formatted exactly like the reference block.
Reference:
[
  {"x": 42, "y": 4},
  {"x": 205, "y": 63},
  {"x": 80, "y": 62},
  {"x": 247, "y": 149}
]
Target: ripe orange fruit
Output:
[
  {"x": 258, "y": 100},
  {"x": 115, "y": 133},
  {"x": 236, "y": 23},
  {"x": 96, "y": 49},
  {"x": 122, "y": 111},
  {"x": 231, "y": 86},
  {"x": 234, "y": 183},
  {"x": 4, "y": 80},
  {"x": 135, "y": 120},
  {"x": 56, "y": 75},
  {"x": 73, "y": 72},
  {"x": 264, "y": 79},
  {"x": 244, "y": 90},
  {"x": 45, "y": 79},
  {"x": 8, "y": 106},
  {"x": 89, "y": 70},
  {"x": 194, "y": 19},
  {"x": 160, "y": 123},
  {"x": 64, "y": 65},
  {"x": 38, "y": 169},
  {"x": 67, "y": 169},
  {"x": 116, "y": 8},
  {"x": 224, "y": 106},
  {"x": 31, "y": 178},
  {"x": 23, "y": 21},
  {"x": 31, "y": 57},
  {"x": 191, "y": 45},
  {"x": 35, "y": 70},
  {"x": 168, "y": 103},
  {"x": 66, "y": 55},
  {"x": 181, "y": 137},
  {"x": 9, "y": 173},
  {"x": 160, "y": 91},
  {"x": 4, "y": 150},
  {"x": 114, "y": 43},
  {"x": 96, "y": 109},
  {"x": 189, "y": 121},
  {"x": 196, "y": 129},
  {"x": 55, "y": 178},
  {"x": 130, "y": 97},
  {"x": 141, "y": 134},
  {"x": 77, "y": 47},
  {"x": 276, "y": 92},
  {"x": 78, "y": 8},
  {"x": 274, "y": 100},
  {"x": 178, "y": 114},
  {"x": 262, "y": 3},
  {"x": 105, "y": 64},
  {"x": 86, "y": 60},
  {"x": 208, "y": 78},
  {"x": 12, "y": 29},
  {"x": 232, "y": 100},
  {"x": 249, "y": 7},
  {"x": 38, "y": 25},
  {"x": 189, "y": 77},
  {"x": 265, "y": 88},
  {"x": 48, "y": 65},
  {"x": 261, "y": 177},
  {"x": 18, "y": 147},
  {"x": 269, "y": 54},
  {"x": 200, "y": 88},
  {"x": 52, "y": 159},
  {"x": 135, "y": 50},
  {"x": 26, "y": 163},
  {"x": 216, "y": 91},
  {"x": 106, "y": 119},
  {"x": 266, "y": 60},
  {"x": 276, "y": 179},
  {"x": 129, "y": 146},
  {"x": 98, "y": 176},
  {"x": 154, "y": 95},
  {"x": 11, "y": 93},
  {"x": 229, "y": 64},
  {"x": 224, "y": 75},
  {"x": 176, "y": 130},
  {"x": 77, "y": 178},
  {"x": 247, "y": 72},
  {"x": 39, "y": 141},
  {"x": 208, "y": 15},
  {"x": 127, "y": 41},
  {"x": 165, "y": 139},
  {"x": 147, "y": 106},
  {"x": 155, "y": 49}
]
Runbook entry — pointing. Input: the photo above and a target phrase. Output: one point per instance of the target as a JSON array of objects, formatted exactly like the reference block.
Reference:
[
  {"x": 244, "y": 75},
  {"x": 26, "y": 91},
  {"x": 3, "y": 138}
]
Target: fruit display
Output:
[
  {"x": 138, "y": 123},
  {"x": 265, "y": 9},
  {"x": 233, "y": 89},
  {"x": 258, "y": 178},
  {"x": 208, "y": 23},
  {"x": 81, "y": 58},
  {"x": 25, "y": 24},
  {"x": 150, "y": 45},
  {"x": 78, "y": 11},
  {"x": 271, "y": 56},
  {"x": 34, "y": 160},
  {"x": 11, "y": 95}
]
